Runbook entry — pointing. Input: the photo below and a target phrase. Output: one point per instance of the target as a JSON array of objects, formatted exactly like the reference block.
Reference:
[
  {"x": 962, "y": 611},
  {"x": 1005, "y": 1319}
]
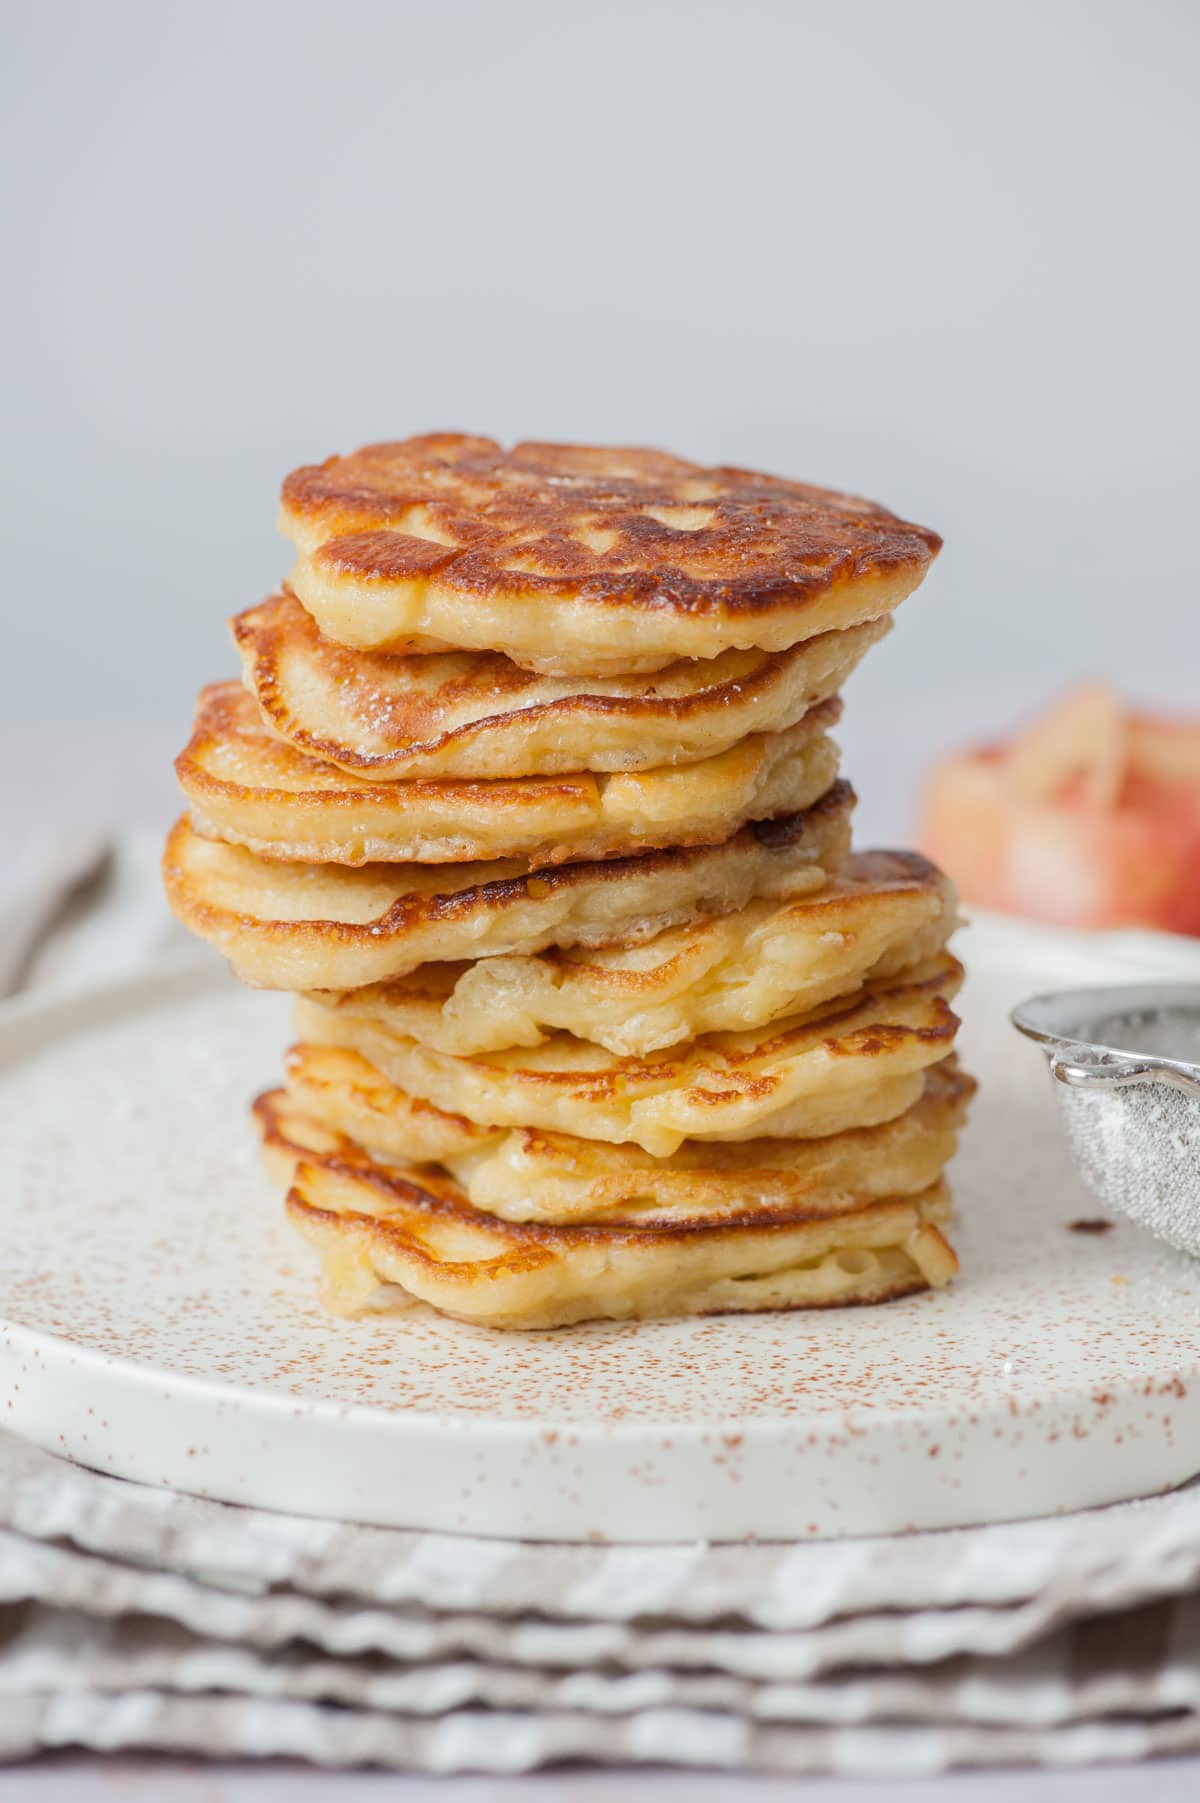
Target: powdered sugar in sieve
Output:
[{"x": 1127, "y": 1062}]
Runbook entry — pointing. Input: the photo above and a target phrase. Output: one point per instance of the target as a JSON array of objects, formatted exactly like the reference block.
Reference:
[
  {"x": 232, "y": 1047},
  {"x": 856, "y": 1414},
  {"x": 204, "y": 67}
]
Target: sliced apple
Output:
[{"x": 1090, "y": 817}]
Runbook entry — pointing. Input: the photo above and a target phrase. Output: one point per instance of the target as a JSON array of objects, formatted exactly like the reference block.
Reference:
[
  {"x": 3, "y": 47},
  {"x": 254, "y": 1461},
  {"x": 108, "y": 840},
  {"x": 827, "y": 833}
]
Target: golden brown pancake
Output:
[
  {"x": 885, "y": 911},
  {"x": 248, "y": 787},
  {"x": 325, "y": 926},
  {"x": 388, "y": 1236},
  {"x": 575, "y": 559},
  {"x": 522, "y": 1174},
  {"x": 477, "y": 714},
  {"x": 853, "y": 1063},
  {"x": 341, "y": 1091}
]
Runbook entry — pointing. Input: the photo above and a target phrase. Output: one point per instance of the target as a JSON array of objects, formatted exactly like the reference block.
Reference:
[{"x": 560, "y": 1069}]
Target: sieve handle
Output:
[{"x": 1116, "y": 1076}]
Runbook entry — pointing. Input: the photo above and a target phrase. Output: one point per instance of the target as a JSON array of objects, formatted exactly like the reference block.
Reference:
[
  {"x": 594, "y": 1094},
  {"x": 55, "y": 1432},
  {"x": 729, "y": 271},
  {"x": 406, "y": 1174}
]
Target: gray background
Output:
[{"x": 944, "y": 253}]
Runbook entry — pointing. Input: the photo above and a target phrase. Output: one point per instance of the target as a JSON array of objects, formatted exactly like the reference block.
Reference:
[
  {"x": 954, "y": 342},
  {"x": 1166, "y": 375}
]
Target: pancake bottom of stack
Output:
[
  {"x": 803, "y": 1226},
  {"x": 794, "y": 1163}
]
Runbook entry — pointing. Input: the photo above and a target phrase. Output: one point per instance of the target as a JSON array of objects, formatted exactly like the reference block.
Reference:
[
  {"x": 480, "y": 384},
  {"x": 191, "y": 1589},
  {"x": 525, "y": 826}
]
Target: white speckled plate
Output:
[{"x": 159, "y": 1321}]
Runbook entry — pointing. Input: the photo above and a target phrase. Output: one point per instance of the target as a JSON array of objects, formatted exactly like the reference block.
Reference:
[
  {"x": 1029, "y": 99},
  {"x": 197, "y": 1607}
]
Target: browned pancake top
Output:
[{"x": 636, "y": 527}]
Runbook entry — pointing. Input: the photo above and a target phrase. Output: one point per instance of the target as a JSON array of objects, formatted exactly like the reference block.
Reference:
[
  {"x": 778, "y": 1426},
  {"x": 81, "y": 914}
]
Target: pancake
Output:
[
  {"x": 885, "y": 911},
  {"x": 384, "y": 1236},
  {"x": 854, "y": 1063},
  {"x": 521, "y": 1174},
  {"x": 341, "y": 1091},
  {"x": 477, "y": 714},
  {"x": 323, "y": 926},
  {"x": 578, "y": 560},
  {"x": 246, "y": 786}
]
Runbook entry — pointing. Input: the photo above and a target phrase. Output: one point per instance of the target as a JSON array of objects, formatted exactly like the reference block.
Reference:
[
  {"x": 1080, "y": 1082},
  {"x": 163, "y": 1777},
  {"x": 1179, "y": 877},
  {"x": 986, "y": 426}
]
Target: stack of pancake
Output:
[{"x": 528, "y": 791}]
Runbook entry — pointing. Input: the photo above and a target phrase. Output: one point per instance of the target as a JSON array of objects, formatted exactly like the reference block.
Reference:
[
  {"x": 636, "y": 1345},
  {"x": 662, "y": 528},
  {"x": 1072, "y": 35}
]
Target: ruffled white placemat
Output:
[{"x": 131, "y": 1617}]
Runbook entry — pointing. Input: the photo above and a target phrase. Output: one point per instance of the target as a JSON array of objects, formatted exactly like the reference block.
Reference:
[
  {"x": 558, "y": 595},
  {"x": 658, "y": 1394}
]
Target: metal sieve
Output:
[{"x": 1127, "y": 1064}]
